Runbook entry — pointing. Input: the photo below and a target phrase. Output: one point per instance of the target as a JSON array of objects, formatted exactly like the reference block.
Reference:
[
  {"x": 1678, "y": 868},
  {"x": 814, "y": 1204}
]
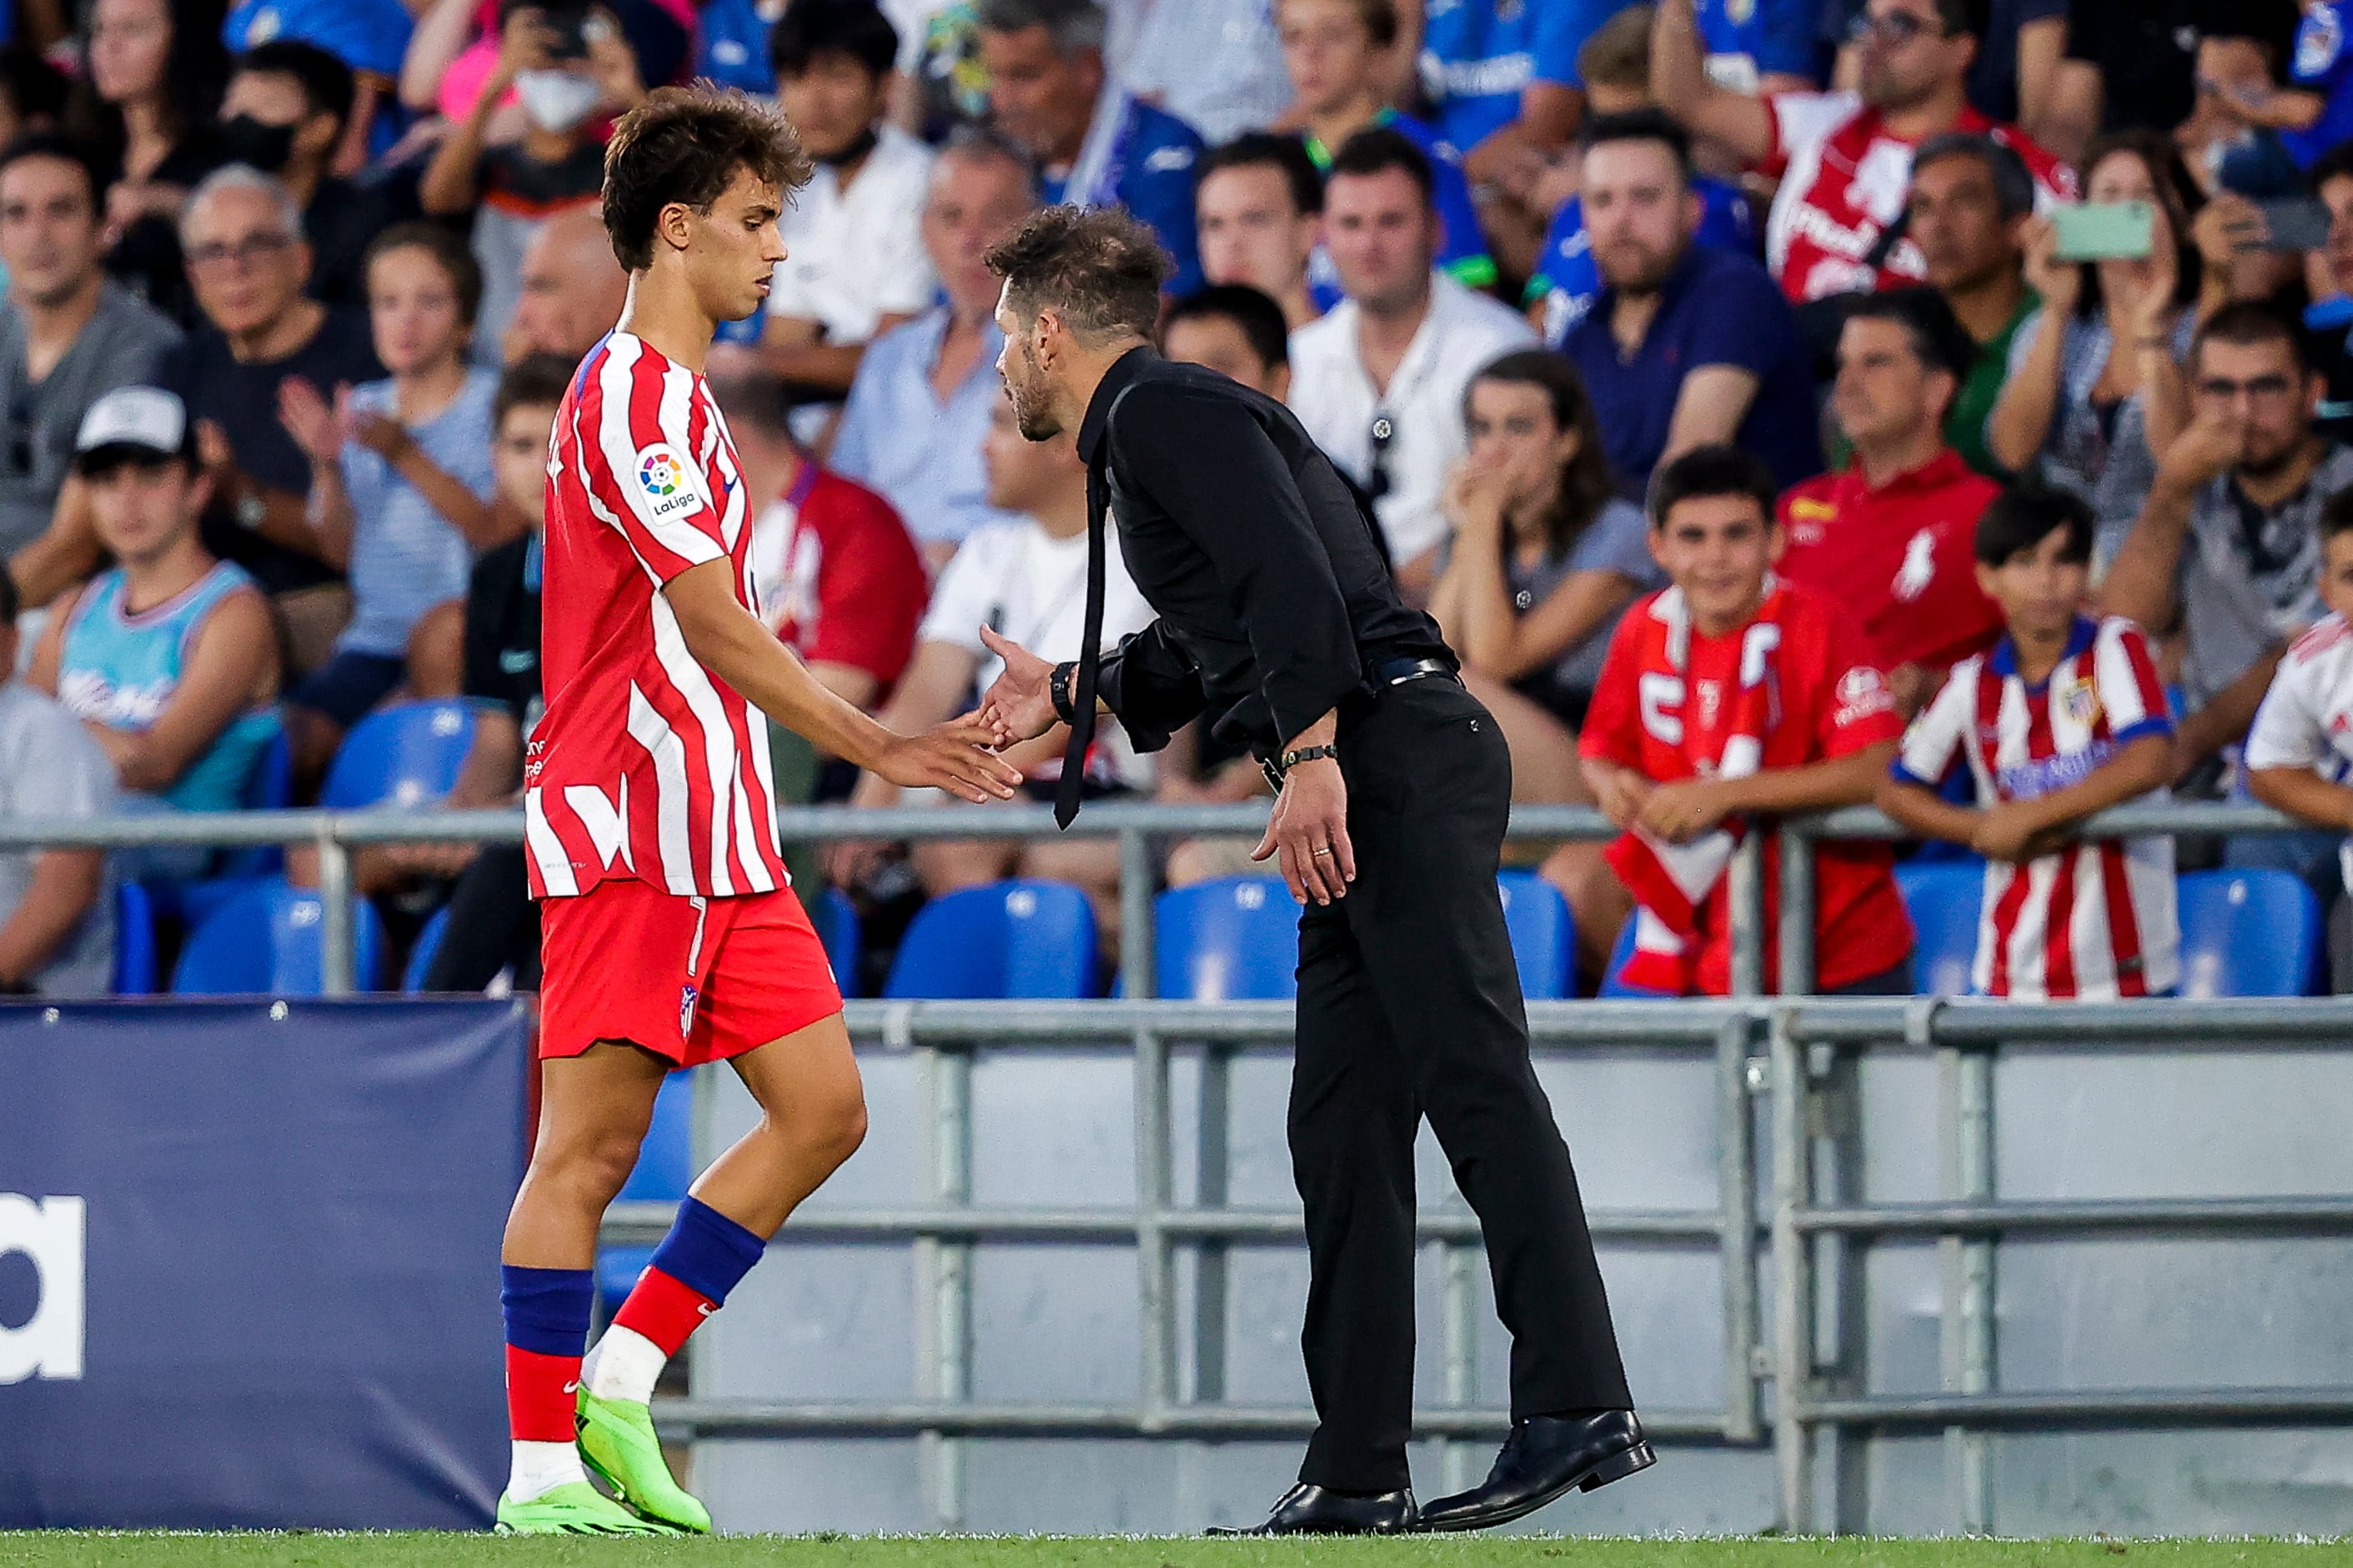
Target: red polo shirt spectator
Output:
[
  {"x": 1901, "y": 558},
  {"x": 839, "y": 579}
]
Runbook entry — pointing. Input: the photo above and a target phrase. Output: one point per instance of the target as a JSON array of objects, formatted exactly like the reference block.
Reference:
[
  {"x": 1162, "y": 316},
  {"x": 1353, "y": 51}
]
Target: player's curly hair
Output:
[
  {"x": 1099, "y": 267},
  {"x": 685, "y": 144}
]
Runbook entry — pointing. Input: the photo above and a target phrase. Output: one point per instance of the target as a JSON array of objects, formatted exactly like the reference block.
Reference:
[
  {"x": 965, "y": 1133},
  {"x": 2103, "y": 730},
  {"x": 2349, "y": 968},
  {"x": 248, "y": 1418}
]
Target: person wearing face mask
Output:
[
  {"x": 565, "y": 65},
  {"x": 284, "y": 113}
]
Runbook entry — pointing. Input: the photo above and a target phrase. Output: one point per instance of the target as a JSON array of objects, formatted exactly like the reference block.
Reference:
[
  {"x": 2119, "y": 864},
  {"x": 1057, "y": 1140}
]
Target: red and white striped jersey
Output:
[
  {"x": 2094, "y": 921},
  {"x": 646, "y": 764}
]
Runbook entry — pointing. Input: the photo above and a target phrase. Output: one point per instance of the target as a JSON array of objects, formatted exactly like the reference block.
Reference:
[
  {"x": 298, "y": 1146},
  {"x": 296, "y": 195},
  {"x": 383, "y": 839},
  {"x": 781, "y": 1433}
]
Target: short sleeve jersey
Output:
[
  {"x": 2307, "y": 719},
  {"x": 1829, "y": 701},
  {"x": 645, "y": 764}
]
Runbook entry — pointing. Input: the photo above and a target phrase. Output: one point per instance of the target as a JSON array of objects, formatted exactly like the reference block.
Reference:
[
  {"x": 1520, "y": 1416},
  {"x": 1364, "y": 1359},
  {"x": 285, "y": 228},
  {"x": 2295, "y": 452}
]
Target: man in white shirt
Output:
[
  {"x": 857, "y": 266},
  {"x": 1027, "y": 580},
  {"x": 1379, "y": 381}
]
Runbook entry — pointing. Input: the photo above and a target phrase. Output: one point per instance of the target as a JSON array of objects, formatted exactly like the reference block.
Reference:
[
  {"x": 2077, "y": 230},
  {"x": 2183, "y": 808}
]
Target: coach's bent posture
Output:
[{"x": 1278, "y": 618}]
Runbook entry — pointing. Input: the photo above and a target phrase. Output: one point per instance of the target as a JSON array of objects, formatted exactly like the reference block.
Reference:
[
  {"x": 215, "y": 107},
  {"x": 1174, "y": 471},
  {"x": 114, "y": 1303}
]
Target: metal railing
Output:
[{"x": 1799, "y": 1389}]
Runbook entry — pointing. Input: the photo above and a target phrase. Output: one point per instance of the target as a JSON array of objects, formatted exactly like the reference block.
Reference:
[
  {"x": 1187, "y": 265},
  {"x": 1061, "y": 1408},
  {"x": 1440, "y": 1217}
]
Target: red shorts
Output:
[{"x": 693, "y": 980}]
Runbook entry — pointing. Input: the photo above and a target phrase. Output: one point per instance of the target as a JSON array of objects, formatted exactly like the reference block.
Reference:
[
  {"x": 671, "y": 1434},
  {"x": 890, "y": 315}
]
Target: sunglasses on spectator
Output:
[
  {"x": 1383, "y": 432},
  {"x": 1897, "y": 27},
  {"x": 2264, "y": 387},
  {"x": 245, "y": 252}
]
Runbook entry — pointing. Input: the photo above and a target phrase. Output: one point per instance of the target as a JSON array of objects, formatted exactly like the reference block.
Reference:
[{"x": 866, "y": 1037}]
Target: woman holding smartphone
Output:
[{"x": 2094, "y": 388}]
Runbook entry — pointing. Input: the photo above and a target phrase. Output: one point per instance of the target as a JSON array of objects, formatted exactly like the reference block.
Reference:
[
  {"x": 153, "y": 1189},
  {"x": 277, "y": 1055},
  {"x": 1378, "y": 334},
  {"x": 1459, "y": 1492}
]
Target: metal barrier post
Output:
[
  {"x": 1746, "y": 889},
  {"x": 1138, "y": 943},
  {"x": 944, "y": 1272},
  {"x": 1793, "y": 1340},
  {"x": 1459, "y": 1264},
  {"x": 1213, "y": 1186},
  {"x": 338, "y": 958},
  {"x": 1798, "y": 917},
  {"x": 1965, "y": 1325},
  {"x": 1154, "y": 1179},
  {"x": 1737, "y": 1181}
]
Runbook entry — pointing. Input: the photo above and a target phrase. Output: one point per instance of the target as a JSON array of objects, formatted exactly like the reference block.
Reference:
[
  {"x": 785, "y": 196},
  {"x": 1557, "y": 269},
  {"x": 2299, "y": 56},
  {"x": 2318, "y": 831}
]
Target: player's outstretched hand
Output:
[
  {"x": 954, "y": 756},
  {"x": 1018, "y": 702}
]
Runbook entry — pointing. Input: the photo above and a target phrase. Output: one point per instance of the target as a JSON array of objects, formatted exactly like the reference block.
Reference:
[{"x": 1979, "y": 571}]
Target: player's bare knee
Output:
[
  {"x": 594, "y": 1166},
  {"x": 828, "y": 1127}
]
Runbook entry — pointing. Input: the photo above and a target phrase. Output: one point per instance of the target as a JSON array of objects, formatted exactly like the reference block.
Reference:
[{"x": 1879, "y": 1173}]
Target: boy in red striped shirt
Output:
[
  {"x": 672, "y": 936},
  {"x": 2064, "y": 717}
]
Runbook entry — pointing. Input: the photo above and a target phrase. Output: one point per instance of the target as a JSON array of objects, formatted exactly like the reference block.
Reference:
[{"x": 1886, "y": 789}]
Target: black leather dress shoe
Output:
[
  {"x": 1312, "y": 1510},
  {"x": 1543, "y": 1460}
]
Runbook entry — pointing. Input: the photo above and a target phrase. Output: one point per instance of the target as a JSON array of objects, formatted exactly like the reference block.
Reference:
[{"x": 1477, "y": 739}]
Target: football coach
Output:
[{"x": 1279, "y": 622}]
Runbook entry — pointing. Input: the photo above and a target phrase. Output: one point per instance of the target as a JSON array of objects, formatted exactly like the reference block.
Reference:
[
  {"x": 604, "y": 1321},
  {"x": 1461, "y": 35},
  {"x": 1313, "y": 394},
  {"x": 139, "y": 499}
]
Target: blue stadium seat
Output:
[
  {"x": 271, "y": 788},
  {"x": 1943, "y": 898},
  {"x": 1613, "y": 984},
  {"x": 665, "y": 1168},
  {"x": 420, "y": 957},
  {"x": 1544, "y": 935},
  {"x": 835, "y": 919},
  {"x": 1233, "y": 940},
  {"x": 135, "y": 940},
  {"x": 2249, "y": 933},
  {"x": 263, "y": 939},
  {"x": 1024, "y": 939},
  {"x": 407, "y": 755}
]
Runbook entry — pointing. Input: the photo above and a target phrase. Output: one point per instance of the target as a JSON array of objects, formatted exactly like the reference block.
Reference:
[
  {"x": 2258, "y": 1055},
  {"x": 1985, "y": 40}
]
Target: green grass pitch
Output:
[{"x": 326, "y": 1549}]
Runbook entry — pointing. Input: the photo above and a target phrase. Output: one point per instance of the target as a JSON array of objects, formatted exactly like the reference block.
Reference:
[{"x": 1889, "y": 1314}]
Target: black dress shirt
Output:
[{"x": 1275, "y": 604}]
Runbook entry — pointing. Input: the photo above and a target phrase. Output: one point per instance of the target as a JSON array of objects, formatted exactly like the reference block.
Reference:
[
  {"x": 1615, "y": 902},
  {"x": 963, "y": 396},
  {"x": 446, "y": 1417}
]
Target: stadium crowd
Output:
[{"x": 1779, "y": 404}]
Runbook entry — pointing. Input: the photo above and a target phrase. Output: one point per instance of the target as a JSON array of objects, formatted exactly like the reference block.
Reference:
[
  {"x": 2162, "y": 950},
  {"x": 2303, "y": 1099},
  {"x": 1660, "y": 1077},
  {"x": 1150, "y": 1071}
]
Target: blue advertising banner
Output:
[{"x": 249, "y": 1261}]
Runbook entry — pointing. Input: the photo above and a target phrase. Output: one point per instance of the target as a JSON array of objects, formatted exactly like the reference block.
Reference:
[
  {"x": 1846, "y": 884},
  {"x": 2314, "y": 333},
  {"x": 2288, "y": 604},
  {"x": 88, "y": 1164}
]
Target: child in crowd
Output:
[
  {"x": 1728, "y": 694},
  {"x": 2065, "y": 716},
  {"x": 400, "y": 488},
  {"x": 2299, "y": 754},
  {"x": 168, "y": 657}
]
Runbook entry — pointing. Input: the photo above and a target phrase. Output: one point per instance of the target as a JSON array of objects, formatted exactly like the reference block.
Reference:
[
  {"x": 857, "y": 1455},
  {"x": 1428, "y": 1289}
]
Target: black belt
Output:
[{"x": 1390, "y": 672}]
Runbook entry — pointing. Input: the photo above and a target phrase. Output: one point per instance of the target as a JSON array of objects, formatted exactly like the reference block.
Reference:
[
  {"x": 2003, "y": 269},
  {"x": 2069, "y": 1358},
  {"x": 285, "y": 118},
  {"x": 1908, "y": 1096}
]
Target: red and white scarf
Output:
[{"x": 1672, "y": 882}]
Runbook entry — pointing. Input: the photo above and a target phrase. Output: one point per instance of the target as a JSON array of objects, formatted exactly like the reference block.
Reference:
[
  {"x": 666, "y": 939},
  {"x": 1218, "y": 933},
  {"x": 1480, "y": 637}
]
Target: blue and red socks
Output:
[
  {"x": 546, "y": 1312},
  {"x": 697, "y": 1264}
]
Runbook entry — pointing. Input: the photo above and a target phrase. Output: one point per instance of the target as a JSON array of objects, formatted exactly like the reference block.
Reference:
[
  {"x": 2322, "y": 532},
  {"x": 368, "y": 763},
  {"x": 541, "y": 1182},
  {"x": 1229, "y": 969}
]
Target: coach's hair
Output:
[
  {"x": 1258, "y": 318},
  {"x": 1381, "y": 149},
  {"x": 1377, "y": 17},
  {"x": 1099, "y": 267},
  {"x": 1072, "y": 25},
  {"x": 1938, "y": 338},
  {"x": 534, "y": 381},
  {"x": 1642, "y": 125},
  {"x": 685, "y": 144},
  {"x": 441, "y": 243},
  {"x": 2247, "y": 324},
  {"x": 1705, "y": 472},
  {"x": 2024, "y": 515},
  {"x": 1286, "y": 156}
]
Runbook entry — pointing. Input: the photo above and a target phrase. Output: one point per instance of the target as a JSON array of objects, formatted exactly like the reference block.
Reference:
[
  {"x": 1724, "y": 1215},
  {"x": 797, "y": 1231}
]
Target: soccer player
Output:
[
  {"x": 672, "y": 937},
  {"x": 1730, "y": 692},
  {"x": 2300, "y": 751},
  {"x": 2064, "y": 717}
]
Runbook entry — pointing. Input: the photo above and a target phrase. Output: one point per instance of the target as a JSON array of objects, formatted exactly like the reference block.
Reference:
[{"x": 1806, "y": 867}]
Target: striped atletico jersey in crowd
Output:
[
  {"x": 2094, "y": 921},
  {"x": 646, "y": 764}
]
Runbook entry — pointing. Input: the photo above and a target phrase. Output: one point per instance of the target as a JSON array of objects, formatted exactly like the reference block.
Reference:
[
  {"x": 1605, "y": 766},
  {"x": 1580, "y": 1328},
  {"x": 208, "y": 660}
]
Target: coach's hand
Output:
[
  {"x": 1019, "y": 703},
  {"x": 954, "y": 756},
  {"x": 1309, "y": 833}
]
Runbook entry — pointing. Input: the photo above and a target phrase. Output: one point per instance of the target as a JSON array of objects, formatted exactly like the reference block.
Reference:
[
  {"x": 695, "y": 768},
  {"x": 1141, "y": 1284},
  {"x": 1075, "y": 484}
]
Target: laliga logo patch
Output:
[{"x": 662, "y": 477}]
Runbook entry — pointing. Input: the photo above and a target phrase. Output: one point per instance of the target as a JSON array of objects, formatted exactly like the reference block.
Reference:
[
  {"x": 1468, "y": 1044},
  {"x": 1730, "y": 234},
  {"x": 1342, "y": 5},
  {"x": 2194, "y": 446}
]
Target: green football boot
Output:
[
  {"x": 617, "y": 1438},
  {"x": 574, "y": 1508}
]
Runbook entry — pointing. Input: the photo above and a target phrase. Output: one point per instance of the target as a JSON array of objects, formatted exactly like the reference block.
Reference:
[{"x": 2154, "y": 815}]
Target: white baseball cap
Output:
[{"x": 147, "y": 418}]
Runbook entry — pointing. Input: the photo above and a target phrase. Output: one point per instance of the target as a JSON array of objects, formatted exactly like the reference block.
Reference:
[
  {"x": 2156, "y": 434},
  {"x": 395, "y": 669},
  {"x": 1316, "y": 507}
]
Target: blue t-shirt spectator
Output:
[
  {"x": 1140, "y": 158},
  {"x": 732, "y": 46},
  {"x": 920, "y": 451},
  {"x": 406, "y": 556},
  {"x": 1714, "y": 308},
  {"x": 365, "y": 35},
  {"x": 1477, "y": 56},
  {"x": 2323, "y": 64},
  {"x": 1567, "y": 282},
  {"x": 1461, "y": 247}
]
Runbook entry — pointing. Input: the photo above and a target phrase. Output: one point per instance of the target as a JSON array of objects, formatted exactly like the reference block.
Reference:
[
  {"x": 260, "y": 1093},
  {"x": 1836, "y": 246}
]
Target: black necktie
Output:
[{"x": 1082, "y": 690}]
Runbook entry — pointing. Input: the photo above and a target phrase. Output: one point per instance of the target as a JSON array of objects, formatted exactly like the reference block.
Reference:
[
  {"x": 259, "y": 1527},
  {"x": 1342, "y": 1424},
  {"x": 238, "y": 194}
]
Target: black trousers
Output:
[
  {"x": 492, "y": 924},
  {"x": 1409, "y": 1006}
]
